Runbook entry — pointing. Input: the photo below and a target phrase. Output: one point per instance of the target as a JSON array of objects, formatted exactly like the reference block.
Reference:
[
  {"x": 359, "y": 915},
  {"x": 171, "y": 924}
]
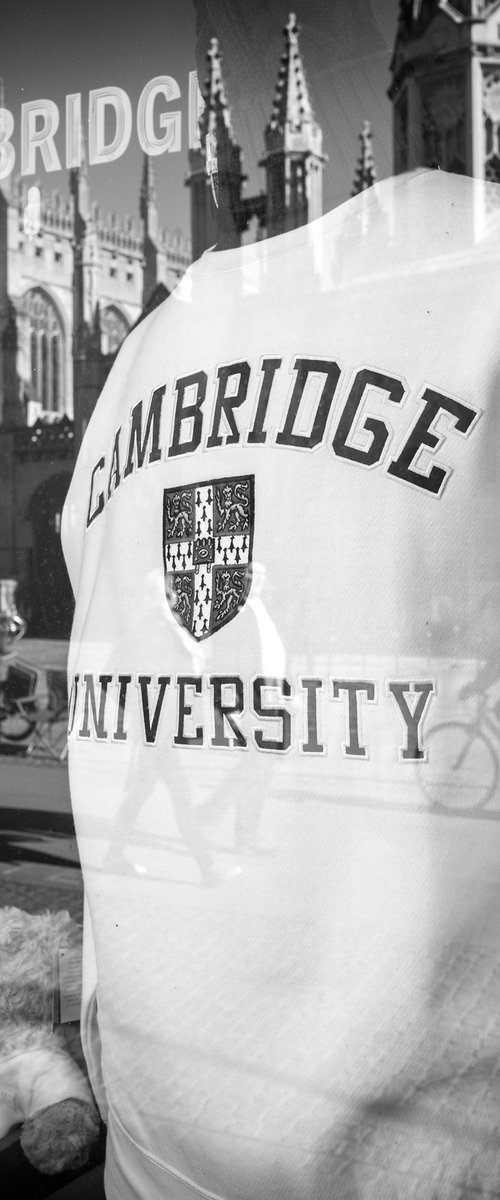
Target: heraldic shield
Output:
[{"x": 207, "y": 549}]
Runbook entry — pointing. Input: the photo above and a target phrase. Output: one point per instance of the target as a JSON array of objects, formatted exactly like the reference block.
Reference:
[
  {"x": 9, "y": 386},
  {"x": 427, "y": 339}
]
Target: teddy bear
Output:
[{"x": 41, "y": 1085}]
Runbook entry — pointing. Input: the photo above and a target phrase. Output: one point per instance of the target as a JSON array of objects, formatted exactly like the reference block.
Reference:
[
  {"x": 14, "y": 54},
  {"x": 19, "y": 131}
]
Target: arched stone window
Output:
[
  {"x": 46, "y": 397},
  {"x": 56, "y": 372},
  {"x": 46, "y": 342},
  {"x": 114, "y": 329}
]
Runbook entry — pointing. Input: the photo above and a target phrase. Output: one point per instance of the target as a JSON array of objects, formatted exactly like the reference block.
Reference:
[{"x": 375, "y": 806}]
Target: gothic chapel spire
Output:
[
  {"x": 79, "y": 186},
  {"x": 216, "y": 118},
  {"x": 216, "y": 175},
  {"x": 292, "y": 104},
  {"x": 148, "y": 208},
  {"x": 293, "y": 158},
  {"x": 87, "y": 264},
  {"x": 148, "y": 199}
]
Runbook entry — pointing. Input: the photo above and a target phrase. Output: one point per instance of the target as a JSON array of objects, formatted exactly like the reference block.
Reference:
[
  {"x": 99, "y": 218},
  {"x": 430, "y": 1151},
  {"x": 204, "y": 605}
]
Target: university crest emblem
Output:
[{"x": 207, "y": 550}]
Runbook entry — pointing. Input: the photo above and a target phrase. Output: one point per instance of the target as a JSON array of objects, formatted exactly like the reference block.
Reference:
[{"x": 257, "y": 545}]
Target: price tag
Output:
[
  {"x": 212, "y": 165},
  {"x": 67, "y": 985}
]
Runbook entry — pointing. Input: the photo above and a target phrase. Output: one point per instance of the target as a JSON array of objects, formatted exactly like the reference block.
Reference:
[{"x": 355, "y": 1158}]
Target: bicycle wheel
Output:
[
  {"x": 56, "y": 736},
  {"x": 461, "y": 770},
  {"x": 14, "y": 727},
  {"x": 50, "y": 736}
]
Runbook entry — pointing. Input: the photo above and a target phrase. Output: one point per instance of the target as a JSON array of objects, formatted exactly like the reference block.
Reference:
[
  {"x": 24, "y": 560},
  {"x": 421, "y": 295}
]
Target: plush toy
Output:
[{"x": 41, "y": 1085}]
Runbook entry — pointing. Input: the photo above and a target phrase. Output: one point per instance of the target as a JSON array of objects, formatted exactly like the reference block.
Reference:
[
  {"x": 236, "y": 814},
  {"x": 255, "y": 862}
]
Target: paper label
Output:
[{"x": 67, "y": 985}]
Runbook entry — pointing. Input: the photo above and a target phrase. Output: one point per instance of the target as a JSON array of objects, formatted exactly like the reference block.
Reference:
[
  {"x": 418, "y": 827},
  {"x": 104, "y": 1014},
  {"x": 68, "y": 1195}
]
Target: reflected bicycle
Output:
[
  {"x": 461, "y": 768},
  {"x": 33, "y": 723}
]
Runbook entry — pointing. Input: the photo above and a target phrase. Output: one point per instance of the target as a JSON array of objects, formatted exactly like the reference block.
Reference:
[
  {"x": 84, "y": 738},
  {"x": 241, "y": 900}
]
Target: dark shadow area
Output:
[
  {"x": 51, "y": 612},
  {"x": 19, "y": 829},
  {"x": 23, "y": 1181}
]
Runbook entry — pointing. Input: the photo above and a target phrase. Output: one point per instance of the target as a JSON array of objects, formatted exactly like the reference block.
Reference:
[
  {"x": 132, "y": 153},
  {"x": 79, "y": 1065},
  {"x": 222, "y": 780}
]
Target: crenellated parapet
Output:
[
  {"x": 50, "y": 212},
  {"x": 57, "y": 215},
  {"x": 117, "y": 233},
  {"x": 175, "y": 243}
]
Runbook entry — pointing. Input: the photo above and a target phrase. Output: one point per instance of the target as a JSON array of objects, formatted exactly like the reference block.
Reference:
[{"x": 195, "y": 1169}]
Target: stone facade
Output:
[
  {"x": 445, "y": 87},
  {"x": 73, "y": 281}
]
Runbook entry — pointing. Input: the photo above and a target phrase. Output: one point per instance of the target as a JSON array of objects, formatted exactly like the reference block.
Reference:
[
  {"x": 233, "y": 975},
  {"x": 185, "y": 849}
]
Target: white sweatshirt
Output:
[{"x": 286, "y": 915}]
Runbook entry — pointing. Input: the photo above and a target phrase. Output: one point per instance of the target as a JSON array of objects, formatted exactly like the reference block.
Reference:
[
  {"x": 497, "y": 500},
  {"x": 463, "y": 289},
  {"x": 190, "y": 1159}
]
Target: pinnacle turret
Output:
[
  {"x": 148, "y": 208},
  {"x": 216, "y": 175},
  {"x": 79, "y": 186},
  {"x": 148, "y": 200},
  {"x": 293, "y": 158},
  {"x": 292, "y": 106},
  {"x": 365, "y": 168},
  {"x": 148, "y": 185},
  {"x": 216, "y": 113}
]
